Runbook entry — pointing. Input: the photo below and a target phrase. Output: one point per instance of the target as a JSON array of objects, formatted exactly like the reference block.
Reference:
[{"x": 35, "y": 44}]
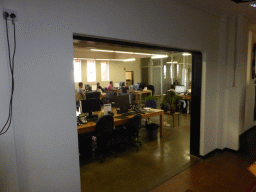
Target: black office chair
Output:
[
  {"x": 105, "y": 89},
  {"x": 132, "y": 129},
  {"x": 151, "y": 103},
  {"x": 87, "y": 87},
  {"x": 85, "y": 144},
  {"x": 103, "y": 132},
  {"x": 152, "y": 88}
]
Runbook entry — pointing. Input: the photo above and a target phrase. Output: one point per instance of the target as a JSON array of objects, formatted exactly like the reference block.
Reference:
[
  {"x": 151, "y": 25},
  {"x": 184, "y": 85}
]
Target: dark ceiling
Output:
[{"x": 242, "y": 1}]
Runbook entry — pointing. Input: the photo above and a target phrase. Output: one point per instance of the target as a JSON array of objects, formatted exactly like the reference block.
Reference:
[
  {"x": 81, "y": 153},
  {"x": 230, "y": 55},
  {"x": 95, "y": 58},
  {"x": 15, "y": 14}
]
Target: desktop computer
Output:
[
  {"x": 180, "y": 89},
  {"x": 123, "y": 103},
  {"x": 94, "y": 87},
  {"x": 116, "y": 85},
  {"x": 89, "y": 106},
  {"x": 92, "y": 95}
]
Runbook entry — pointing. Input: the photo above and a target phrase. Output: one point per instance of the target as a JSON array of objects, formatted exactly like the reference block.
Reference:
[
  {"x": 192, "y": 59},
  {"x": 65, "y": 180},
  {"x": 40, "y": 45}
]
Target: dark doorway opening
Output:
[{"x": 196, "y": 83}]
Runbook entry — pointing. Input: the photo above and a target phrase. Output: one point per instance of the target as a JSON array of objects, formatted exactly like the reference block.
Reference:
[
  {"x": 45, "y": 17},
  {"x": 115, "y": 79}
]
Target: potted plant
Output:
[
  {"x": 150, "y": 97},
  {"x": 165, "y": 104},
  {"x": 175, "y": 103},
  {"x": 173, "y": 99}
]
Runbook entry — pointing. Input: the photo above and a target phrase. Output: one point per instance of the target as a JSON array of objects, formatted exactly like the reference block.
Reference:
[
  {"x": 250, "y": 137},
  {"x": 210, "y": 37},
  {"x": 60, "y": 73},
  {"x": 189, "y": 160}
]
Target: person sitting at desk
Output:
[
  {"x": 110, "y": 86},
  {"x": 79, "y": 95},
  {"x": 99, "y": 87},
  {"x": 87, "y": 87},
  {"x": 189, "y": 90},
  {"x": 172, "y": 88}
]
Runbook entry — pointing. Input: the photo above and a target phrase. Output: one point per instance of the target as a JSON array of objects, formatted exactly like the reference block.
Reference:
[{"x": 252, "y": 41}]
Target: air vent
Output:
[{"x": 242, "y": 1}]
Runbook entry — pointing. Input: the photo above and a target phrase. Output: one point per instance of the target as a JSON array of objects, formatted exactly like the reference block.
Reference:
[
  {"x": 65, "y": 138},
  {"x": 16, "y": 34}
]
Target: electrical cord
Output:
[{"x": 11, "y": 65}]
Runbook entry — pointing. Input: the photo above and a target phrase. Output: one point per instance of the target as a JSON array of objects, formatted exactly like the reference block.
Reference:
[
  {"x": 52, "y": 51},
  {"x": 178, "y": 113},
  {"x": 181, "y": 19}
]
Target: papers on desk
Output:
[{"x": 107, "y": 108}]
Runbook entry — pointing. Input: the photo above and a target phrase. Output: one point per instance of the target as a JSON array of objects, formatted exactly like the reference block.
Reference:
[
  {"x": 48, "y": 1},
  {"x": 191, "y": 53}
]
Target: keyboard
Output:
[
  {"x": 129, "y": 113},
  {"x": 93, "y": 120},
  {"x": 121, "y": 117}
]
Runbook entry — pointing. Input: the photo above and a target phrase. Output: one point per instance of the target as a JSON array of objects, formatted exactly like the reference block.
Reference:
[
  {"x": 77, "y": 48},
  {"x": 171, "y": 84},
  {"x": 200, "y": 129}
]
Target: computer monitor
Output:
[
  {"x": 116, "y": 85},
  {"x": 180, "y": 89},
  {"x": 92, "y": 95},
  {"x": 122, "y": 102},
  {"x": 135, "y": 86},
  {"x": 94, "y": 87},
  {"x": 141, "y": 85},
  {"x": 124, "y": 89},
  {"x": 121, "y": 84},
  {"x": 90, "y": 105}
]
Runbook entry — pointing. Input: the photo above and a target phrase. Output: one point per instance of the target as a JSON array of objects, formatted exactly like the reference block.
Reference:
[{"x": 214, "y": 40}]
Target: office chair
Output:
[
  {"x": 103, "y": 132},
  {"x": 151, "y": 103},
  {"x": 132, "y": 129},
  {"x": 105, "y": 89},
  {"x": 152, "y": 88},
  {"x": 85, "y": 144},
  {"x": 87, "y": 87}
]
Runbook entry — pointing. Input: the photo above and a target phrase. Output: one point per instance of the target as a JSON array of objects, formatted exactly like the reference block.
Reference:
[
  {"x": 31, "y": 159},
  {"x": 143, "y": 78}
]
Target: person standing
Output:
[{"x": 79, "y": 95}]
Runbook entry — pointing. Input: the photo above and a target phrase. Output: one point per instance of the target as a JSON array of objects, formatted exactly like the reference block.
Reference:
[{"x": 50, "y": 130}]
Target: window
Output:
[
  {"x": 164, "y": 71},
  {"x": 104, "y": 71},
  {"x": 77, "y": 70},
  {"x": 171, "y": 75},
  {"x": 91, "y": 71},
  {"x": 178, "y": 70}
]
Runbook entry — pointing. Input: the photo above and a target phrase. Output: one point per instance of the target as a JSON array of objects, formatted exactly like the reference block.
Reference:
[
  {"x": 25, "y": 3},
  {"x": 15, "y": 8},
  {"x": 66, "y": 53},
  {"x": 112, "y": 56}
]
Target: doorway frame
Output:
[
  {"x": 132, "y": 76},
  {"x": 195, "y": 120}
]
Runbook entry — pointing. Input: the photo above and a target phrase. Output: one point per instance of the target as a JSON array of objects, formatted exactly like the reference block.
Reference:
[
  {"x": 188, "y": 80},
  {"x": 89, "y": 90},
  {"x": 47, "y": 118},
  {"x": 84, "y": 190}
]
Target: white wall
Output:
[
  {"x": 45, "y": 129},
  {"x": 117, "y": 72},
  {"x": 8, "y": 168}
]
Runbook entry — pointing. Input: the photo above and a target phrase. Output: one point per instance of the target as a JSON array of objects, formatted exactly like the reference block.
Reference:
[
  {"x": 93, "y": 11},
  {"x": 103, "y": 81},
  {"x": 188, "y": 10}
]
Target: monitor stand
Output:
[{"x": 122, "y": 110}]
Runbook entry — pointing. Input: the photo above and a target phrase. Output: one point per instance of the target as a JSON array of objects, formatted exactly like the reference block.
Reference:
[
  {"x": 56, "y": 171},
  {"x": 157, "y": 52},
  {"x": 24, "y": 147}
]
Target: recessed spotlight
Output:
[
  {"x": 159, "y": 56},
  {"x": 186, "y": 54}
]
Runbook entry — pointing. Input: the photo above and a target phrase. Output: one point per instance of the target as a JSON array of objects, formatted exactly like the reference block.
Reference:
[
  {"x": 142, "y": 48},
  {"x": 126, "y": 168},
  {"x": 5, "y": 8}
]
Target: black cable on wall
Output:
[{"x": 11, "y": 65}]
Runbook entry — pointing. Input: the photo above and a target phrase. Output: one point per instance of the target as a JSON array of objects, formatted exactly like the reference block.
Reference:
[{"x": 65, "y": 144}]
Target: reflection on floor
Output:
[
  {"x": 155, "y": 162},
  {"x": 227, "y": 171}
]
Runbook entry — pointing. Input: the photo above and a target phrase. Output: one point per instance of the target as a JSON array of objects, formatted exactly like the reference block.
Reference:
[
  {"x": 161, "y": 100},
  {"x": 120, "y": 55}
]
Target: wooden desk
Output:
[
  {"x": 90, "y": 126},
  {"x": 139, "y": 93},
  {"x": 173, "y": 114},
  {"x": 186, "y": 97}
]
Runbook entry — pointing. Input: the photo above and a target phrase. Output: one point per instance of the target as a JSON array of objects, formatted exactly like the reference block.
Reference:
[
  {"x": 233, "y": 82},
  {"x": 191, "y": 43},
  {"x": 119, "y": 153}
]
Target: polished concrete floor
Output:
[
  {"x": 143, "y": 170},
  {"x": 224, "y": 171}
]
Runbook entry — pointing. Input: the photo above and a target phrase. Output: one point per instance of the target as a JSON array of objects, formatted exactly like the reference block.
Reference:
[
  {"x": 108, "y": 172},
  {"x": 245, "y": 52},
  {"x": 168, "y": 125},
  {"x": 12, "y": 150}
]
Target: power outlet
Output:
[{"x": 10, "y": 11}]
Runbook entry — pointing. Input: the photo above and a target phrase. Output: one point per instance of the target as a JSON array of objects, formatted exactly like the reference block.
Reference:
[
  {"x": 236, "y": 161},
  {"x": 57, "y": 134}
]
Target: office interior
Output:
[
  {"x": 159, "y": 68},
  {"x": 133, "y": 65}
]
